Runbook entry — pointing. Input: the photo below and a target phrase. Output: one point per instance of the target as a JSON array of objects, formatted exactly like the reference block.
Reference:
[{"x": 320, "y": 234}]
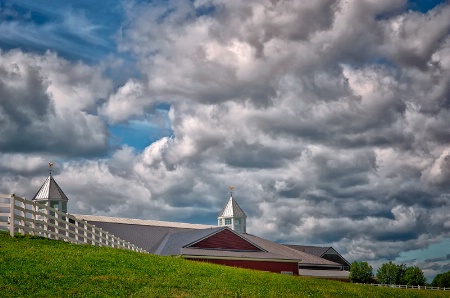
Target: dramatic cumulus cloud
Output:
[
  {"x": 45, "y": 105},
  {"x": 330, "y": 118},
  {"x": 334, "y": 130}
]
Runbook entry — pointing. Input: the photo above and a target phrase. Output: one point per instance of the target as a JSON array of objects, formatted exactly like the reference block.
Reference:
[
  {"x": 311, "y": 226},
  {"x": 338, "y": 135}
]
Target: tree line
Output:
[{"x": 393, "y": 274}]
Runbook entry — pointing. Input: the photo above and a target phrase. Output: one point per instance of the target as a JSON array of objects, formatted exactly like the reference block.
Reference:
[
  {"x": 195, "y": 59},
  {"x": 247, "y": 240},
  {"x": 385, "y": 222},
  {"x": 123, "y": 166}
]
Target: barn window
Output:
[
  {"x": 227, "y": 221},
  {"x": 237, "y": 221}
]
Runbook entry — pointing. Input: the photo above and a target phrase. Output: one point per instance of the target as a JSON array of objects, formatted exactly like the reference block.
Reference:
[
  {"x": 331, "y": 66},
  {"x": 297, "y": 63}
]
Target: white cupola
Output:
[
  {"x": 232, "y": 215},
  {"x": 51, "y": 195}
]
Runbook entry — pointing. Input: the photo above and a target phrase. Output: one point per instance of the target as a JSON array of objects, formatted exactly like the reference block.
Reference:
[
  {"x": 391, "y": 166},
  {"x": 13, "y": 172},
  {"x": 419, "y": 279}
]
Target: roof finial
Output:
[
  {"x": 231, "y": 190},
  {"x": 50, "y": 165}
]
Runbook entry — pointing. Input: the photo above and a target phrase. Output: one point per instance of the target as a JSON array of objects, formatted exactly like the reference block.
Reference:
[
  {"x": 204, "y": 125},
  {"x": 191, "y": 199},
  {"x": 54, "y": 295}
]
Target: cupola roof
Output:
[
  {"x": 232, "y": 209},
  {"x": 50, "y": 190}
]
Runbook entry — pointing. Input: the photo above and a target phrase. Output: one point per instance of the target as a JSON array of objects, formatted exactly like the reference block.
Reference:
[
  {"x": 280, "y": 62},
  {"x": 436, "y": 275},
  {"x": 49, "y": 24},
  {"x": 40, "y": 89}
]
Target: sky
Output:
[{"x": 330, "y": 118}]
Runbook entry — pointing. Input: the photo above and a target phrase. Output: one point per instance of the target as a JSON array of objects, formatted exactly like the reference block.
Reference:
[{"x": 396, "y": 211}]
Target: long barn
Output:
[{"x": 227, "y": 243}]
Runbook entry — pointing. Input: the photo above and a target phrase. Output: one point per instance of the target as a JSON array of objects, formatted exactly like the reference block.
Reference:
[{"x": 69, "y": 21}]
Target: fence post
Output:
[
  {"x": 22, "y": 221},
  {"x": 11, "y": 215},
  {"x": 45, "y": 225},
  {"x": 57, "y": 219},
  {"x": 67, "y": 227},
  {"x": 76, "y": 231},
  {"x": 85, "y": 233},
  {"x": 33, "y": 219}
]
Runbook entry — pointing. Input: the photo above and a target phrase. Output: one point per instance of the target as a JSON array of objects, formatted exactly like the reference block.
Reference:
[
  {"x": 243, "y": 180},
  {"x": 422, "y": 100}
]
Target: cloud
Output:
[
  {"x": 445, "y": 258},
  {"x": 336, "y": 124},
  {"x": 414, "y": 38},
  {"x": 129, "y": 101},
  {"x": 330, "y": 119},
  {"x": 75, "y": 30},
  {"x": 41, "y": 112}
]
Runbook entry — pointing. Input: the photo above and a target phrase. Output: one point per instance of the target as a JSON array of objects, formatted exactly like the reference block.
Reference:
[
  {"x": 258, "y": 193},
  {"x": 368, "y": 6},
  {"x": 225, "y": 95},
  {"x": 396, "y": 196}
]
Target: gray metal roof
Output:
[
  {"x": 312, "y": 250},
  {"x": 144, "y": 236},
  {"x": 142, "y": 222},
  {"x": 147, "y": 234},
  {"x": 232, "y": 209},
  {"x": 306, "y": 258},
  {"x": 50, "y": 190},
  {"x": 321, "y": 251},
  {"x": 174, "y": 242},
  {"x": 168, "y": 238}
]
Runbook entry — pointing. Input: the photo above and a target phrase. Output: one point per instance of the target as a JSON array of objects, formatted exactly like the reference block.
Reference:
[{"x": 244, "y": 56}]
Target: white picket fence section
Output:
[
  {"x": 408, "y": 287},
  {"x": 19, "y": 215}
]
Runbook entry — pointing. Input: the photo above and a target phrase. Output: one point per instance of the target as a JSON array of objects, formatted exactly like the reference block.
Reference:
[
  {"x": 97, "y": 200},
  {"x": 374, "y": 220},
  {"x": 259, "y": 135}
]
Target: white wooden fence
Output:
[
  {"x": 19, "y": 215},
  {"x": 409, "y": 287}
]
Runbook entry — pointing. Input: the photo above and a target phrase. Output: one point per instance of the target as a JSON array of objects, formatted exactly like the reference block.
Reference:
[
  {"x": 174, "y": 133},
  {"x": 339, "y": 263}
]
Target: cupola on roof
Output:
[
  {"x": 50, "y": 190},
  {"x": 232, "y": 209}
]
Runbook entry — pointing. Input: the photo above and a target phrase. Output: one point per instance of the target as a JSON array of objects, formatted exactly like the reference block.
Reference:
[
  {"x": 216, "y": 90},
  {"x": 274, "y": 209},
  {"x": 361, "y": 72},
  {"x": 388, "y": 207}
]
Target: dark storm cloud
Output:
[
  {"x": 244, "y": 155},
  {"x": 445, "y": 258},
  {"x": 415, "y": 25},
  {"x": 30, "y": 120},
  {"x": 24, "y": 109}
]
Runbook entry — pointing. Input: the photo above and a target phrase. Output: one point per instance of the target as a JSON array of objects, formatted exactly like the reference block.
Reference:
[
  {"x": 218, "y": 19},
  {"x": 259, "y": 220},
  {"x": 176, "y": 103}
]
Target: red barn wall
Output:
[
  {"x": 226, "y": 240},
  {"x": 276, "y": 267}
]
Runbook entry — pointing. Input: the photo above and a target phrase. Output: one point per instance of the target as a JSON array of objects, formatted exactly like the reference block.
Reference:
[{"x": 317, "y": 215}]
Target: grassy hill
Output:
[{"x": 38, "y": 267}]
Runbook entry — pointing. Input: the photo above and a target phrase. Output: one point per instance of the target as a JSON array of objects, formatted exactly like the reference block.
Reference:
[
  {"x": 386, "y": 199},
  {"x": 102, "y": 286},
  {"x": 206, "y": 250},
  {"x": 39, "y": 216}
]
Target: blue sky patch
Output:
[
  {"x": 139, "y": 134},
  {"x": 423, "y": 5}
]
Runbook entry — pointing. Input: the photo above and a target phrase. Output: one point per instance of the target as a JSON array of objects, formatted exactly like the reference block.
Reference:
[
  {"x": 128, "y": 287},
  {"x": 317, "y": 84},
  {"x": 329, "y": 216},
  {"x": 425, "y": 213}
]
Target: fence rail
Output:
[
  {"x": 19, "y": 215},
  {"x": 409, "y": 287}
]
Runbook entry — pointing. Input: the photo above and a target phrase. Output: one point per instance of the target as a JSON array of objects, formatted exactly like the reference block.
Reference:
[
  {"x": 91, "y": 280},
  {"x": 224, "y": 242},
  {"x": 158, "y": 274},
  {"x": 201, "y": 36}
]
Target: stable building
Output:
[{"x": 226, "y": 244}]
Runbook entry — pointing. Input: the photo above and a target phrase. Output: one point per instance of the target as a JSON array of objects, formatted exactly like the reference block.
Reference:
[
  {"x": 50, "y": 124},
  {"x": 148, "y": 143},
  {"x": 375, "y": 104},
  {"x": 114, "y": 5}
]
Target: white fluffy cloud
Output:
[
  {"x": 330, "y": 118},
  {"x": 331, "y": 114},
  {"x": 129, "y": 101}
]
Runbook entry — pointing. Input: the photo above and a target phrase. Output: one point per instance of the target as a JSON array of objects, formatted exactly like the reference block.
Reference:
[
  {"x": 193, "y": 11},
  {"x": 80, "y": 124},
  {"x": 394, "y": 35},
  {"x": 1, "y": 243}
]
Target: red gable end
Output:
[{"x": 226, "y": 240}]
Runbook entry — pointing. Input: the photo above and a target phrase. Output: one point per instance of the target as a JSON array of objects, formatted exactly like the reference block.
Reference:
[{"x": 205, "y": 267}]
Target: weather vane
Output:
[
  {"x": 50, "y": 165},
  {"x": 231, "y": 190}
]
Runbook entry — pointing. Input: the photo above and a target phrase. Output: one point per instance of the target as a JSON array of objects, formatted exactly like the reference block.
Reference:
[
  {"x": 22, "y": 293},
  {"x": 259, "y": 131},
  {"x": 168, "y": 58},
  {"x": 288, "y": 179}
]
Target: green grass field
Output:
[{"x": 38, "y": 267}]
